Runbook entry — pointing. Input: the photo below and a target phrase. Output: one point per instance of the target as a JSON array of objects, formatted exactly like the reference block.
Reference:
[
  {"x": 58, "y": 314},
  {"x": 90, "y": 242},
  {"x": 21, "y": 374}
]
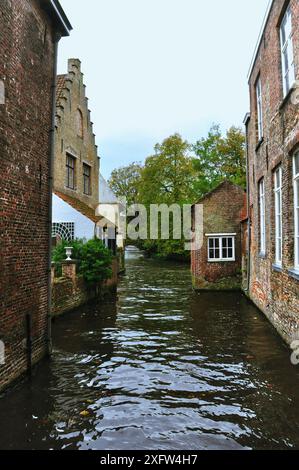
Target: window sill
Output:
[
  {"x": 277, "y": 268},
  {"x": 262, "y": 255},
  {"x": 70, "y": 189},
  {"x": 221, "y": 261},
  {"x": 260, "y": 143},
  {"x": 294, "y": 273},
  {"x": 287, "y": 97}
]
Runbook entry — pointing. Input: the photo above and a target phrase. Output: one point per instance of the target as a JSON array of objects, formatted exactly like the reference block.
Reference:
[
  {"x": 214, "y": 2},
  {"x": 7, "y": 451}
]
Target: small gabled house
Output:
[{"x": 217, "y": 265}]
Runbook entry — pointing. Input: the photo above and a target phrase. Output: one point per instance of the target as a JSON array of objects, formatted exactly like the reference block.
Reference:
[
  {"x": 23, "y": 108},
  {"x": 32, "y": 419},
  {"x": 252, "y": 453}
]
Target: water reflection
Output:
[{"x": 164, "y": 368}]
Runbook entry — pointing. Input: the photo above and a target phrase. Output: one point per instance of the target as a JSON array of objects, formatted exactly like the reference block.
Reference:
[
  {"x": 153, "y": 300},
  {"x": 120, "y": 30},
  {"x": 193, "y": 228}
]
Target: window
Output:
[
  {"x": 86, "y": 179},
  {"x": 64, "y": 231},
  {"x": 259, "y": 102},
  {"x": 221, "y": 248},
  {"x": 70, "y": 172},
  {"x": 287, "y": 55},
  {"x": 262, "y": 217},
  {"x": 278, "y": 215},
  {"x": 296, "y": 208},
  {"x": 80, "y": 131}
]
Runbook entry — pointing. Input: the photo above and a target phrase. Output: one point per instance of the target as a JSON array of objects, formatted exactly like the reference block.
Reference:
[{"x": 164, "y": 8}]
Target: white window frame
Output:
[
  {"x": 296, "y": 210},
  {"x": 262, "y": 214},
  {"x": 259, "y": 104},
  {"x": 287, "y": 52},
  {"x": 220, "y": 237},
  {"x": 278, "y": 215}
]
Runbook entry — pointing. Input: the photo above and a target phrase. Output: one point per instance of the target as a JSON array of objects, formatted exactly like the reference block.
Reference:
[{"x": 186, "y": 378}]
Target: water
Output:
[{"x": 164, "y": 368}]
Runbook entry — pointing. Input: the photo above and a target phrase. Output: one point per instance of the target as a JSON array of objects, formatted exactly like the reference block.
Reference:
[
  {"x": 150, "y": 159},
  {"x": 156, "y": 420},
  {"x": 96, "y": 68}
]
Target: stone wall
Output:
[
  {"x": 75, "y": 139},
  {"x": 70, "y": 292},
  {"x": 26, "y": 68},
  {"x": 274, "y": 290}
]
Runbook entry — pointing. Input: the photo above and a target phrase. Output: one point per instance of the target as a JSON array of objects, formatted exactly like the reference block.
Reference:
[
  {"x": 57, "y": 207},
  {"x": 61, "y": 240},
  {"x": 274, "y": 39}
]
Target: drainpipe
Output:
[
  {"x": 247, "y": 289},
  {"x": 51, "y": 179}
]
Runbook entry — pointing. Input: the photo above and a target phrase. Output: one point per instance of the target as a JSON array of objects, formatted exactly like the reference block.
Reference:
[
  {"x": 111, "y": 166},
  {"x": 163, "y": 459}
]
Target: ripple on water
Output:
[{"x": 164, "y": 368}]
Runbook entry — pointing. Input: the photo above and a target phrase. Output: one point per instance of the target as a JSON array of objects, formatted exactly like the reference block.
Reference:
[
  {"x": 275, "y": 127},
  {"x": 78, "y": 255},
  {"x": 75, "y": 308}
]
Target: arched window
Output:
[
  {"x": 79, "y": 123},
  {"x": 63, "y": 231}
]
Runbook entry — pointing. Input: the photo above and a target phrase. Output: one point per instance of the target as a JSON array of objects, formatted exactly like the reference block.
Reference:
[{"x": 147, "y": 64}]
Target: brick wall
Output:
[
  {"x": 222, "y": 214},
  {"x": 70, "y": 292},
  {"x": 275, "y": 293},
  {"x": 26, "y": 68}
]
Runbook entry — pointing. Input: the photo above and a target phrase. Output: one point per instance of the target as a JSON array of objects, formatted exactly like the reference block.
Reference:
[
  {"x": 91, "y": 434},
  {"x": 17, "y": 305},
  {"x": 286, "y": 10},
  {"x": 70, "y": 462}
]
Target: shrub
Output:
[
  {"x": 59, "y": 255},
  {"x": 95, "y": 262}
]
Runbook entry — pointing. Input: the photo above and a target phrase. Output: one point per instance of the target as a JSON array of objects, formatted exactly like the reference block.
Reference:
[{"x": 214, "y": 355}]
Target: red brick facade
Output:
[
  {"x": 26, "y": 68},
  {"x": 223, "y": 210},
  {"x": 274, "y": 289}
]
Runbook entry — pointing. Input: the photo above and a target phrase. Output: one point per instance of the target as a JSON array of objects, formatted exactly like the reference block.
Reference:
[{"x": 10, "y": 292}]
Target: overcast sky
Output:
[{"x": 156, "y": 67}]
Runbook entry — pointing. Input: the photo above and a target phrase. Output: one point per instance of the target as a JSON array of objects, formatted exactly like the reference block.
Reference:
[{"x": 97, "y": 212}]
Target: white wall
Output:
[{"x": 63, "y": 212}]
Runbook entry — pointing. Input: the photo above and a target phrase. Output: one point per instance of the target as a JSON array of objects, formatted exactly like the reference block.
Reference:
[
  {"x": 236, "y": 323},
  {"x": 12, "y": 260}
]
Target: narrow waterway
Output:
[{"x": 164, "y": 368}]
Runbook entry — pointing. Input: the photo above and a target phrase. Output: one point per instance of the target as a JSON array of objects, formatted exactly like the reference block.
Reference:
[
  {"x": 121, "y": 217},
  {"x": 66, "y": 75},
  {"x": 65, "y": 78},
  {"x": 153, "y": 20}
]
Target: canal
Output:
[{"x": 163, "y": 368}]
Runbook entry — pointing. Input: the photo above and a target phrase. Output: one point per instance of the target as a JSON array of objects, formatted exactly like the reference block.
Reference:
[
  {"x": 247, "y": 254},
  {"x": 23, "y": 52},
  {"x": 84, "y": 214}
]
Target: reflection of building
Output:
[
  {"x": 217, "y": 265},
  {"x": 76, "y": 177},
  {"x": 30, "y": 32},
  {"x": 273, "y": 161}
]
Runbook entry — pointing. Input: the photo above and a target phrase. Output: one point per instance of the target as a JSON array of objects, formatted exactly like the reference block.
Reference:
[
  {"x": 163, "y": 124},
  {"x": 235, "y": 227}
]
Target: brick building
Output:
[
  {"x": 273, "y": 169},
  {"x": 30, "y": 31},
  {"x": 217, "y": 265}
]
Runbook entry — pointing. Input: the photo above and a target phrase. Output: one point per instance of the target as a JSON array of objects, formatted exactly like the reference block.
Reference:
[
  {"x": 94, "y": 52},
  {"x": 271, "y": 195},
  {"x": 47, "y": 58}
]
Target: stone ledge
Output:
[{"x": 294, "y": 274}]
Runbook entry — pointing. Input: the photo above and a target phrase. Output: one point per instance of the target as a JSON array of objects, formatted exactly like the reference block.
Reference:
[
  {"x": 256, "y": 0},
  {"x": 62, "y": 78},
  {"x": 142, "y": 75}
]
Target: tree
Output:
[
  {"x": 167, "y": 176},
  {"x": 233, "y": 151},
  {"x": 124, "y": 182},
  {"x": 219, "y": 158}
]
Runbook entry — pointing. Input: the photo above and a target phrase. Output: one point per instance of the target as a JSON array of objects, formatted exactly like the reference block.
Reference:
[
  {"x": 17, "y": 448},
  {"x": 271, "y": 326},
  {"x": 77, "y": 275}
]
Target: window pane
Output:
[
  {"x": 296, "y": 161},
  {"x": 230, "y": 253},
  {"x": 211, "y": 254},
  {"x": 217, "y": 253}
]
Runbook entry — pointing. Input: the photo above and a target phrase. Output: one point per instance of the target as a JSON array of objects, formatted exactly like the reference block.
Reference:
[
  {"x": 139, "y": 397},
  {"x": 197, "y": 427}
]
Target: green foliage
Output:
[
  {"x": 180, "y": 173},
  {"x": 167, "y": 176},
  {"x": 219, "y": 158},
  {"x": 59, "y": 255},
  {"x": 124, "y": 182},
  {"x": 96, "y": 260},
  {"x": 93, "y": 258}
]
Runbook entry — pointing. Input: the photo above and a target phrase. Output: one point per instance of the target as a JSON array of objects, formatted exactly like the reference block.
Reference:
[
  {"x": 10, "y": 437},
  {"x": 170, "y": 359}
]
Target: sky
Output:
[{"x": 156, "y": 67}]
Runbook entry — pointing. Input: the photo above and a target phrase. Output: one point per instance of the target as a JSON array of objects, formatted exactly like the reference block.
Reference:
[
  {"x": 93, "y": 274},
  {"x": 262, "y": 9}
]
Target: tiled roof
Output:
[
  {"x": 60, "y": 86},
  {"x": 79, "y": 206}
]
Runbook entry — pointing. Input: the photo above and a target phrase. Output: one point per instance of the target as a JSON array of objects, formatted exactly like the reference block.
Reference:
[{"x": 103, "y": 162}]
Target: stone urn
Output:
[{"x": 69, "y": 251}]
